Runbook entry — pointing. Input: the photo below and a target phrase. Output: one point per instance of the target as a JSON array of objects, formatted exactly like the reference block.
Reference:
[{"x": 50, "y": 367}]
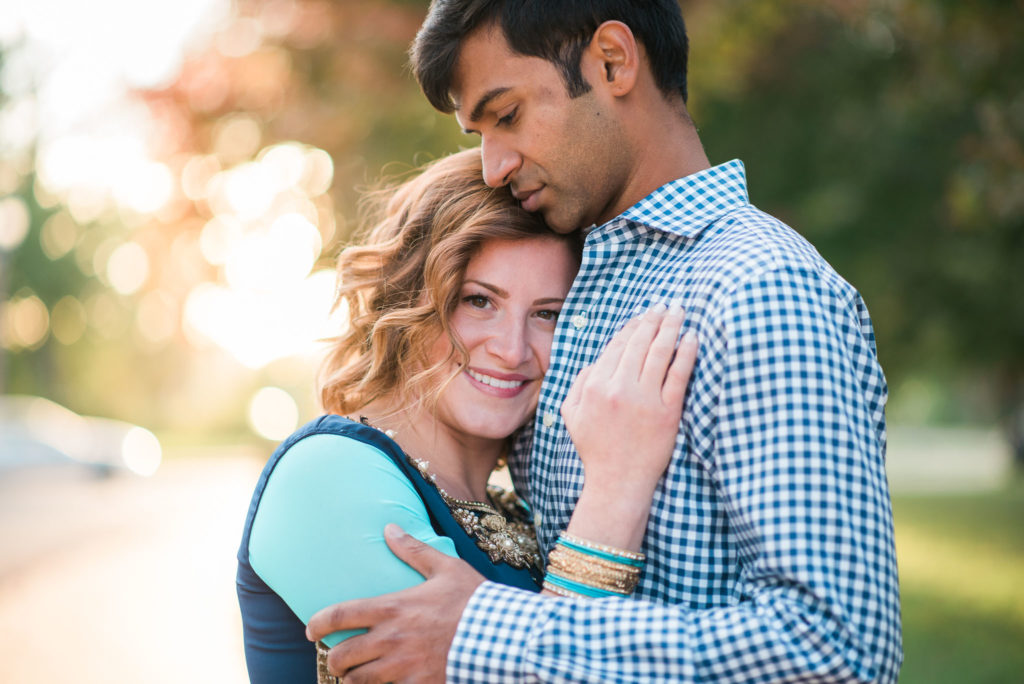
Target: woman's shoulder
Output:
[
  {"x": 333, "y": 446},
  {"x": 329, "y": 467},
  {"x": 332, "y": 442}
]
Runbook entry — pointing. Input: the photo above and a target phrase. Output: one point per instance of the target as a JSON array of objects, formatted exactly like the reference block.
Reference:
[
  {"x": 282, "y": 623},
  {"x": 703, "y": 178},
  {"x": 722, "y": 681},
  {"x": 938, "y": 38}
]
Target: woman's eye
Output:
[
  {"x": 476, "y": 301},
  {"x": 548, "y": 315}
]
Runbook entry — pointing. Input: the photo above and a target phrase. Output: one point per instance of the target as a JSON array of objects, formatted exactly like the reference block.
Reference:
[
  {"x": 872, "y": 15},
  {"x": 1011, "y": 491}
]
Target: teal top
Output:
[
  {"x": 327, "y": 504},
  {"x": 313, "y": 537}
]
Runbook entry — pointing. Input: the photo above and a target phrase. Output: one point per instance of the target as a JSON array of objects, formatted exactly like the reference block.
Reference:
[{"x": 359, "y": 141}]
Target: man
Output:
[{"x": 769, "y": 542}]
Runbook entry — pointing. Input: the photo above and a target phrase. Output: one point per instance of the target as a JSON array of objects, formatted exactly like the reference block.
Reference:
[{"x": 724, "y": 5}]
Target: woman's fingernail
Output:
[
  {"x": 676, "y": 306},
  {"x": 690, "y": 337},
  {"x": 658, "y": 308}
]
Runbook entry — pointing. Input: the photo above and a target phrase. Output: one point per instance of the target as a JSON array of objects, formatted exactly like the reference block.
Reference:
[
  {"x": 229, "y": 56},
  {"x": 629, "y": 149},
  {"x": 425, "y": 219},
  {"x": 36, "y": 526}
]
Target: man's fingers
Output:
[
  {"x": 389, "y": 669},
  {"x": 353, "y": 652},
  {"x": 356, "y": 614},
  {"x": 422, "y": 558}
]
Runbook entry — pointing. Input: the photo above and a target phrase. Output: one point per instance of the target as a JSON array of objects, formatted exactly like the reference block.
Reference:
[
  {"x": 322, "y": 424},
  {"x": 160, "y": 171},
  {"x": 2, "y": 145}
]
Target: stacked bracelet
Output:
[{"x": 582, "y": 569}]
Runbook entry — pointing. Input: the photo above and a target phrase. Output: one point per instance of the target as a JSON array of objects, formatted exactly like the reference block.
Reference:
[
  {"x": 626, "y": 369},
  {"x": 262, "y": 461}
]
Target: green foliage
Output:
[
  {"x": 961, "y": 559},
  {"x": 890, "y": 135}
]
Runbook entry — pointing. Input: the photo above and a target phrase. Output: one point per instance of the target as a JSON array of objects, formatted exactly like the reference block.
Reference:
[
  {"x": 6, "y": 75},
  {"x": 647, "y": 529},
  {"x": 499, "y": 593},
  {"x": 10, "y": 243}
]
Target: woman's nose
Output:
[{"x": 509, "y": 342}]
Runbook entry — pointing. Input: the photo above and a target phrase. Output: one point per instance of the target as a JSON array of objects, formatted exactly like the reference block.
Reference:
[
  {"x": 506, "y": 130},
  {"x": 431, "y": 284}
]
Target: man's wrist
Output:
[{"x": 494, "y": 609}]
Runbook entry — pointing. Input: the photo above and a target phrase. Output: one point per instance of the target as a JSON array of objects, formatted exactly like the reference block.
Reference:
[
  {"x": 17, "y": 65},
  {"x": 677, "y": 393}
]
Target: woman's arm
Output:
[
  {"x": 623, "y": 415},
  {"x": 317, "y": 537}
]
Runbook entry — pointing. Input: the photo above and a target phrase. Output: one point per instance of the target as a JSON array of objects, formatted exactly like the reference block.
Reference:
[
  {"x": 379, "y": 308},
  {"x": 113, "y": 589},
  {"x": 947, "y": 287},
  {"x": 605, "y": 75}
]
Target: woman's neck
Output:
[{"x": 461, "y": 463}]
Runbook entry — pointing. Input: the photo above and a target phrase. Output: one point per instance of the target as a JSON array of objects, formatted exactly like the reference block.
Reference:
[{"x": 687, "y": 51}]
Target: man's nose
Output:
[{"x": 500, "y": 162}]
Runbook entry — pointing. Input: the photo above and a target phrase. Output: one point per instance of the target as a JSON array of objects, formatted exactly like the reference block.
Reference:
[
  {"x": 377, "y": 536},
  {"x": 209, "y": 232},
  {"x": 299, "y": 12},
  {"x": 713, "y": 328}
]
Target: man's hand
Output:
[{"x": 410, "y": 631}]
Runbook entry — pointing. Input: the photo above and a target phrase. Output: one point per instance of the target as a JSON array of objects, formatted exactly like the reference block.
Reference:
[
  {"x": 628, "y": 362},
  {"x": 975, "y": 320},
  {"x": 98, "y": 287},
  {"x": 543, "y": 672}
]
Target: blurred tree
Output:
[
  {"x": 887, "y": 131},
  {"x": 890, "y": 134}
]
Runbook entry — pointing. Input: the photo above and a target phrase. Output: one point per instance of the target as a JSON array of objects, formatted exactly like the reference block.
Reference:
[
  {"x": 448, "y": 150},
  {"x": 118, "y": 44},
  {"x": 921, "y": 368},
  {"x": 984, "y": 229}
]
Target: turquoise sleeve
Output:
[{"x": 318, "y": 534}]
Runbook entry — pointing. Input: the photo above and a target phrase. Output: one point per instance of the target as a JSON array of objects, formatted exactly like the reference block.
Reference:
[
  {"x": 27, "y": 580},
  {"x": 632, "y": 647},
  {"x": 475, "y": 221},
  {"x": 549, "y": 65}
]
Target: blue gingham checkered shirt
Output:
[{"x": 769, "y": 547}]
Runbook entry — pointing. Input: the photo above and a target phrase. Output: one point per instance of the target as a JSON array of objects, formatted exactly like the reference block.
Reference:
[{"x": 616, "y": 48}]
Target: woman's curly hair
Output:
[{"x": 401, "y": 284}]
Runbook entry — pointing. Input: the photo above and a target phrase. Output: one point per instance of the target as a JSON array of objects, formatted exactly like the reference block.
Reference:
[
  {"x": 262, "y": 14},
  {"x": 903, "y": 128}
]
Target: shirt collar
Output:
[{"x": 688, "y": 205}]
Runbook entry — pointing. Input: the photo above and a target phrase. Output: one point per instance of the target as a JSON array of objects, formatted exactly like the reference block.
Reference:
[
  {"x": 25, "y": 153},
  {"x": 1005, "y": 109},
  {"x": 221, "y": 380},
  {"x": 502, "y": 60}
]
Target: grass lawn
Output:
[{"x": 961, "y": 561}]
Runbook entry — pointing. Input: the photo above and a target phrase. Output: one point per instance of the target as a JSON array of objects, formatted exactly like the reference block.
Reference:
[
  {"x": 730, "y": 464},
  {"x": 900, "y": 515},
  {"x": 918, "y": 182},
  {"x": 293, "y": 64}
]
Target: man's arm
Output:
[
  {"x": 798, "y": 462},
  {"x": 410, "y": 631}
]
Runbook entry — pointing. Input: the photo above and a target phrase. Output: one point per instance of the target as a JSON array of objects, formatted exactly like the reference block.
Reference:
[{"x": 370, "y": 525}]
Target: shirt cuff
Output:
[{"x": 493, "y": 637}]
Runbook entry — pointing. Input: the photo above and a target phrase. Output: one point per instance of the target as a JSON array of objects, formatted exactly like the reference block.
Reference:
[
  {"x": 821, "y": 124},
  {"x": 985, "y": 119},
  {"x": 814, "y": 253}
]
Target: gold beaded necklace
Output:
[{"x": 501, "y": 528}]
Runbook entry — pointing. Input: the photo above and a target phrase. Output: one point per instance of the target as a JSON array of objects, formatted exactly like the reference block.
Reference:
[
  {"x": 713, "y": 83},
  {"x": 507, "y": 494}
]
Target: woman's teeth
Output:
[{"x": 495, "y": 382}]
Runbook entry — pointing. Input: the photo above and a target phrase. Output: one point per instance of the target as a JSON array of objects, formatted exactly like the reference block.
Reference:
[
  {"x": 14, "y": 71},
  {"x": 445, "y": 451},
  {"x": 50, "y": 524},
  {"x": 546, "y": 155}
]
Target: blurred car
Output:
[{"x": 38, "y": 432}]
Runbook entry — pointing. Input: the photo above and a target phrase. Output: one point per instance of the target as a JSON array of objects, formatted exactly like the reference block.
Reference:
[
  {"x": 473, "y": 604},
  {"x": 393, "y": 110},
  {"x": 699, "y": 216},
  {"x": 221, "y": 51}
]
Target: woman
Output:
[{"x": 453, "y": 301}]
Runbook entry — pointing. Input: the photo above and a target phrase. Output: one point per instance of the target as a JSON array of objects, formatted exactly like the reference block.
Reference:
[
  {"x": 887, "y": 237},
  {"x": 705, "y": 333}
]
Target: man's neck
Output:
[{"x": 667, "y": 148}]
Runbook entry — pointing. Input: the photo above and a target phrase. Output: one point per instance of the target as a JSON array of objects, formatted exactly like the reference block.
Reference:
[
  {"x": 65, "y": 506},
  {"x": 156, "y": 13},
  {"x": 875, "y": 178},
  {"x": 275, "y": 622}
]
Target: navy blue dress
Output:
[{"x": 276, "y": 647}]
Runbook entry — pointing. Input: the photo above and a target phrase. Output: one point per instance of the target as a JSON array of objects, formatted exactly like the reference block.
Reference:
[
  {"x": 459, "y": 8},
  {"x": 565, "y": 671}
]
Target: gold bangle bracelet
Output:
[
  {"x": 594, "y": 572},
  {"x": 611, "y": 550}
]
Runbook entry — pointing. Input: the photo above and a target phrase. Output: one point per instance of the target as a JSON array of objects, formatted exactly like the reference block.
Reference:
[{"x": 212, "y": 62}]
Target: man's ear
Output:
[{"x": 617, "y": 53}]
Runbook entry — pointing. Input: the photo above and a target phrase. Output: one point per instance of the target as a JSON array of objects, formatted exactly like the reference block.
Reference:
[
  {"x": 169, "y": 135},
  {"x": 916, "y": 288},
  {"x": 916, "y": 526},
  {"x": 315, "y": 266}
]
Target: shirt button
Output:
[
  {"x": 536, "y": 519},
  {"x": 579, "y": 321},
  {"x": 549, "y": 419}
]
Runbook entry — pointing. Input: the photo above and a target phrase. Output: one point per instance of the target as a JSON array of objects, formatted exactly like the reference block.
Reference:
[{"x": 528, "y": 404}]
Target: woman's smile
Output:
[{"x": 504, "y": 386}]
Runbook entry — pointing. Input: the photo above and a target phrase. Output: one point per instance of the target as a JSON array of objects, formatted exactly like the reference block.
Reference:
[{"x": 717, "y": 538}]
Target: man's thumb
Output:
[{"x": 419, "y": 556}]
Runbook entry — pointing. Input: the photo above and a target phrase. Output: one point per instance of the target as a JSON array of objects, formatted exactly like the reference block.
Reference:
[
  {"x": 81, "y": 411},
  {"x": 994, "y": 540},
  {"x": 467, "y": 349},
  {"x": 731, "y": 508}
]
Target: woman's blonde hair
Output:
[{"x": 401, "y": 285}]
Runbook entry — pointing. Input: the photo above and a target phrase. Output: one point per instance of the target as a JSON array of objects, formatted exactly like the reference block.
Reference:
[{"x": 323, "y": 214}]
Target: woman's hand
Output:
[{"x": 623, "y": 415}]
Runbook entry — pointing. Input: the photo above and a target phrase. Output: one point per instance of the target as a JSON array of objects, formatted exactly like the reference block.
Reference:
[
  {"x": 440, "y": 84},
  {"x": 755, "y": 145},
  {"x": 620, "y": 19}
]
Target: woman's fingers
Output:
[
  {"x": 639, "y": 344},
  {"x": 678, "y": 375},
  {"x": 642, "y": 352},
  {"x": 607, "y": 363},
  {"x": 575, "y": 394},
  {"x": 661, "y": 349}
]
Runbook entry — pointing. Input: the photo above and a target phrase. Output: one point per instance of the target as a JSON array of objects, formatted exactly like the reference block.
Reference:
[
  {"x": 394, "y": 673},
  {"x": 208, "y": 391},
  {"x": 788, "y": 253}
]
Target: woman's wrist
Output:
[{"x": 615, "y": 516}]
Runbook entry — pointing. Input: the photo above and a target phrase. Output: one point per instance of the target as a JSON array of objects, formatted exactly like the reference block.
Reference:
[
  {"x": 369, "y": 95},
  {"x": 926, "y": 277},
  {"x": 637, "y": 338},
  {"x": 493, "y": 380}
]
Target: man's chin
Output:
[{"x": 558, "y": 223}]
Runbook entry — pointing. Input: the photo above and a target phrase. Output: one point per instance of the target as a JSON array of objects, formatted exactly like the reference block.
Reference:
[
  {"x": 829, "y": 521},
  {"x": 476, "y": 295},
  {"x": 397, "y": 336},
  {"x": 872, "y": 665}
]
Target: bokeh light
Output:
[
  {"x": 127, "y": 268},
  {"x": 25, "y": 322},
  {"x": 14, "y": 222},
  {"x": 273, "y": 413},
  {"x": 141, "y": 451},
  {"x": 68, "y": 320}
]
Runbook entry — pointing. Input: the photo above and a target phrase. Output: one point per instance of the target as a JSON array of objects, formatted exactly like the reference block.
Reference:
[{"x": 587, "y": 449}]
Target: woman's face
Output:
[{"x": 505, "y": 317}]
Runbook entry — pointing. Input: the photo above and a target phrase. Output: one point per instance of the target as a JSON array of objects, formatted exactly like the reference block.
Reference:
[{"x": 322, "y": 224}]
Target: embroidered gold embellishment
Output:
[
  {"x": 501, "y": 528},
  {"x": 323, "y": 675}
]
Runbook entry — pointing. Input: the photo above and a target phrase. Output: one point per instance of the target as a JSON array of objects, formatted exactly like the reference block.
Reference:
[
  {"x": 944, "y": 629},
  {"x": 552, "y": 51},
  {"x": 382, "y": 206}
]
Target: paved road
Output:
[
  {"x": 129, "y": 579},
  {"x": 123, "y": 579}
]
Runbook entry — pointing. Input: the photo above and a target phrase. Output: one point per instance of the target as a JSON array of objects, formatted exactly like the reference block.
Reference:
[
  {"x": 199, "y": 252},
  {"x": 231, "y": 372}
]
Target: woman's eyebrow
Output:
[{"x": 493, "y": 288}]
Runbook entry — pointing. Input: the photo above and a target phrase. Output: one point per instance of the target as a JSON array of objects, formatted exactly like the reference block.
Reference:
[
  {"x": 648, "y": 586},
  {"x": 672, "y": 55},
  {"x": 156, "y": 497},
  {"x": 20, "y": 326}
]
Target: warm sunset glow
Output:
[{"x": 259, "y": 327}]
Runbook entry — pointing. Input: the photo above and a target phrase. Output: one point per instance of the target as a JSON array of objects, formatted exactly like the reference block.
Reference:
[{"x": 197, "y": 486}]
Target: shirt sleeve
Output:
[
  {"x": 318, "y": 534},
  {"x": 799, "y": 463}
]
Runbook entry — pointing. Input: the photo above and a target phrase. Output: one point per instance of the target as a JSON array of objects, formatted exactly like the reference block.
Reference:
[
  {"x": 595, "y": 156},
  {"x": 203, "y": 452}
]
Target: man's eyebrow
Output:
[{"x": 478, "y": 110}]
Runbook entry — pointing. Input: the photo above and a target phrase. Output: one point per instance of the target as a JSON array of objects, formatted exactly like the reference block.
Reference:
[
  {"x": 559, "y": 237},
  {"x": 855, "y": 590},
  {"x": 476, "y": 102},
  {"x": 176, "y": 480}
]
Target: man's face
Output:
[{"x": 566, "y": 158}]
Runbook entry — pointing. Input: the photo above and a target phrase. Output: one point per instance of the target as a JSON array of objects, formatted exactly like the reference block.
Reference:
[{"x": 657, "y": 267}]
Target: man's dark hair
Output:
[{"x": 555, "y": 30}]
